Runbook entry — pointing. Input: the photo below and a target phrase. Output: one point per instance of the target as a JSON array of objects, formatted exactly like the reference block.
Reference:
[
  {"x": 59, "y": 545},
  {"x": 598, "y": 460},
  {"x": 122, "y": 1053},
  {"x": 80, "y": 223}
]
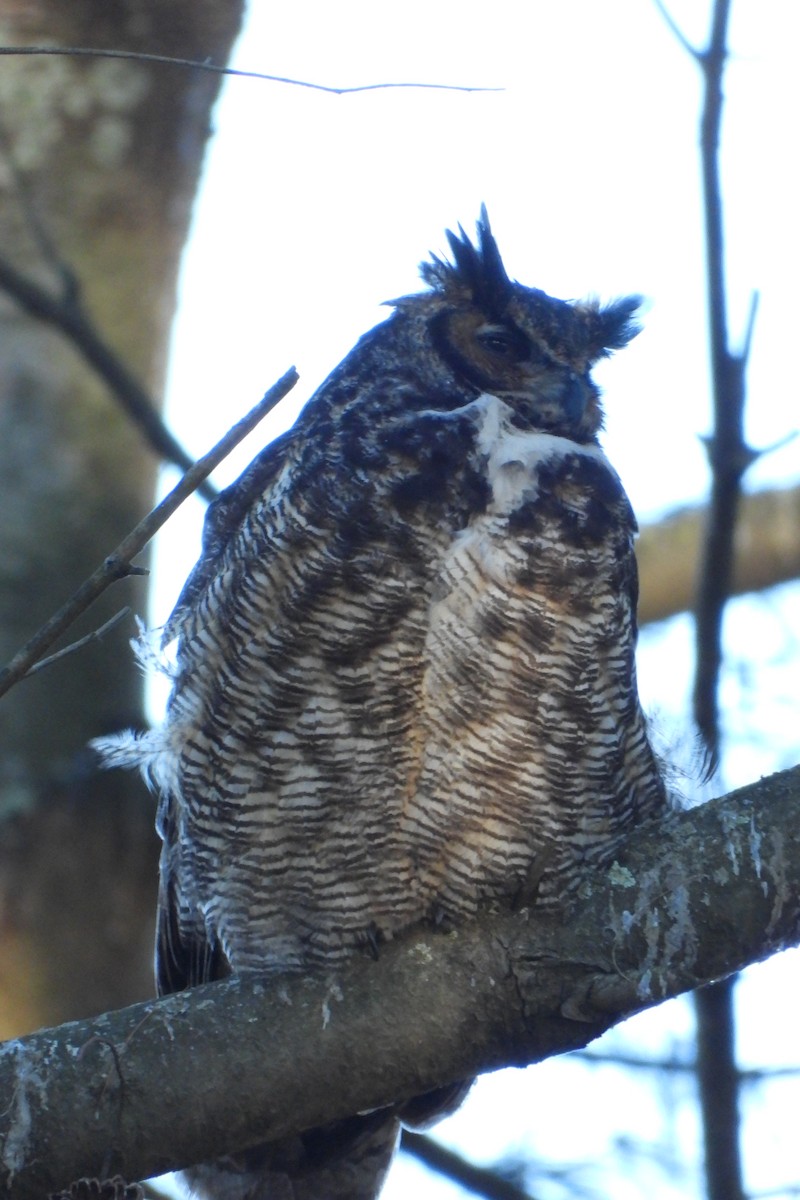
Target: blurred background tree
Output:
[{"x": 99, "y": 163}]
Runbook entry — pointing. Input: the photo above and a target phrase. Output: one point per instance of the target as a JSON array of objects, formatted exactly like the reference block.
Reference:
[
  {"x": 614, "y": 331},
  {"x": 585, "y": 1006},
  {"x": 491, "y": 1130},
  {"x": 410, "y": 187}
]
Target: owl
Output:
[{"x": 405, "y": 687}]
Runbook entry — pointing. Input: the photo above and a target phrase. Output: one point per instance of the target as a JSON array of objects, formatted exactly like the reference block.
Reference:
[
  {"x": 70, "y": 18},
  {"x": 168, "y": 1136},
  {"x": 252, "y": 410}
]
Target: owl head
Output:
[{"x": 530, "y": 349}]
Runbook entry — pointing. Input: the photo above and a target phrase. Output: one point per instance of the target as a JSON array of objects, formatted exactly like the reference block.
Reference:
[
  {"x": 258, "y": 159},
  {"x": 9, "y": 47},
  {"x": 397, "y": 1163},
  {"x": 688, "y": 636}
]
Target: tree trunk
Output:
[{"x": 100, "y": 162}]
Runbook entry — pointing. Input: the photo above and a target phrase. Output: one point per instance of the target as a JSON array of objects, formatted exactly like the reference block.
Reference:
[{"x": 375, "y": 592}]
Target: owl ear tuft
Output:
[
  {"x": 612, "y": 326},
  {"x": 476, "y": 268}
]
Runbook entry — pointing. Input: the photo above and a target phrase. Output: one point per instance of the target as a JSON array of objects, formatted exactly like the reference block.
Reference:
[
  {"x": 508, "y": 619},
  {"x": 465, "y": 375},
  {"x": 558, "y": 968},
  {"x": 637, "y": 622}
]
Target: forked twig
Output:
[
  {"x": 675, "y": 29},
  {"x": 118, "y": 564},
  {"x": 94, "y": 636}
]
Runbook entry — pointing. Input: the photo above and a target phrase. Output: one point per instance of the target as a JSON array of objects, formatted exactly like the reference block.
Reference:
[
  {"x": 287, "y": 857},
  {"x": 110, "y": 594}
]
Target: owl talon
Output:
[{"x": 96, "y": 1189}]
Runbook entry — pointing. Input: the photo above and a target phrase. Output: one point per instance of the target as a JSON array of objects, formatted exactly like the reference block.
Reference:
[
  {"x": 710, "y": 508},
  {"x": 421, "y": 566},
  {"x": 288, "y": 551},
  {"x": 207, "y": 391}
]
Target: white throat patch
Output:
[{"x": 513, "y": 457}]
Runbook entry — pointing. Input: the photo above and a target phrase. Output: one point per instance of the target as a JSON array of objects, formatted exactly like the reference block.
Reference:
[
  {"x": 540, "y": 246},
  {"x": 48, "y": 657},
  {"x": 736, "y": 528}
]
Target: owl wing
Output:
[
  {"x": 222, "y": 520},
  {"x": 293, "y": 727},
  {"x": 186, "y": 955}
]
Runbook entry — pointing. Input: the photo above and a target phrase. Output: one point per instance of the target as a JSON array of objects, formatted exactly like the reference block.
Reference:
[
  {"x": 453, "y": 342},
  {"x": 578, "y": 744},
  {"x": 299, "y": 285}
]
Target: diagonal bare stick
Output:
[{"x": 118, "y": 564}]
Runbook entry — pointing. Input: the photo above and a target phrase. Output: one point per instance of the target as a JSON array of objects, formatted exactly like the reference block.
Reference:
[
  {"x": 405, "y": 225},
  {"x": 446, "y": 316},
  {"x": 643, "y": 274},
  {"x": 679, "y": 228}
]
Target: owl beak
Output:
[{"x": 575, "y": 396}]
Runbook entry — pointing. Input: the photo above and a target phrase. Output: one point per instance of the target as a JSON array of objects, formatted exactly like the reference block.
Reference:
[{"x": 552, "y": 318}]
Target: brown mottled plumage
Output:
[{"x": 406, "y": 683}]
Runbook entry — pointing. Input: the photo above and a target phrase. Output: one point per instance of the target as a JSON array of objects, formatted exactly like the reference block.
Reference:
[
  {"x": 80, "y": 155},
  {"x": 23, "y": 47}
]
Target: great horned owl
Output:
[{"x": 405, "y": 680}]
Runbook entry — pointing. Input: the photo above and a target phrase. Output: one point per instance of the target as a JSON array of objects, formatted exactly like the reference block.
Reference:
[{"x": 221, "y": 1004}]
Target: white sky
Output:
[{"x": 316, "y": 208}]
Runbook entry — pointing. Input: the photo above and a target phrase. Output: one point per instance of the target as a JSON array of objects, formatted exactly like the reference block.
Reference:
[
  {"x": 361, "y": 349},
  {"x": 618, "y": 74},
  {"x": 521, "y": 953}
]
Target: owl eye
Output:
[{"x": 504, "y": 342}]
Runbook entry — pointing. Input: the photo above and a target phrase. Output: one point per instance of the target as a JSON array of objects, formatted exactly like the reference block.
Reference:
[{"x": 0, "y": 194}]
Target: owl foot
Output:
[{"x": 96, "y": 1189}]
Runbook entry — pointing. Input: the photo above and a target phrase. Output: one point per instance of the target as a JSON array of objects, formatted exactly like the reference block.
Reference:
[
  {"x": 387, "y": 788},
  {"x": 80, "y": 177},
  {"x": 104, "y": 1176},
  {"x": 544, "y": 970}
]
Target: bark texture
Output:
[
  {"x": 99, "y": 162},
  {"x": 160, "y": 1085}
]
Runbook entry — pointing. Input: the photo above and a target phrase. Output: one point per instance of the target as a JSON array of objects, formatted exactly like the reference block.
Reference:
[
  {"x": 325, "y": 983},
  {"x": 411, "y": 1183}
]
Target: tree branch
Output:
[
  {"x": 676, "y": 1066},
  {"x": 154, "y": 1087},
  {"x": 197, "y": 65},
  {"x": 117, "y": 565},
  {"x": 767, "y": 552},
  {"x": 675, "y": 29},
  {"x": 729, "y": 458},
  {"x": 728, "y": 455},
  {"x": 483, "y": 1181},
  {"x": 96, "y": 635},
  {"x": 67, "y": 314}
]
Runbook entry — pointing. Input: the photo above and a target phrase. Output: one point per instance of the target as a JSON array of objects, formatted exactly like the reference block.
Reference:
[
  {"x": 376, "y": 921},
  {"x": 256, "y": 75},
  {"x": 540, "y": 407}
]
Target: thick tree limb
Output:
[
  {"x": 767, "y": 552},
  {"x": 157, "y": 1086}
]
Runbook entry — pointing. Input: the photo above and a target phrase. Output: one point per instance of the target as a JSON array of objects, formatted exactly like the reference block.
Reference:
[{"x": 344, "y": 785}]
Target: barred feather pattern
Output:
[{"x": 405, "y": 683}]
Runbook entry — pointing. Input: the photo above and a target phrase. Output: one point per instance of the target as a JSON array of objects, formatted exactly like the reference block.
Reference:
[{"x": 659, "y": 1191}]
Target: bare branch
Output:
[
  {"x": 767, "y": 552},
  {"x": 94, "y": 636},
  {"x": 67, "y": 314},
  {"x": 729, "y": 458},
  {"x": 718, "y": 1080},
  {"x": 728, "y": 455},
  {"x": 744, "y": 354},
  {"x": 118, "y": 565},
  {"x": 166, "y": 60},
  {"x": 676, "y": 1066},
  {"x": 695, "y": 896},
  {"x": 676, "y": 30},
  {"x": 481, "y": 1180}
]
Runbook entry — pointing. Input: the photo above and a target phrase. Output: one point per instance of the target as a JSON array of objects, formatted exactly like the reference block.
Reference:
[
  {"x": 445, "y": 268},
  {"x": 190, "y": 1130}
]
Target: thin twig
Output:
[
  {"x": 94, "y": 636},
  {"x": 744, "y": 354},
  {"x": 778, "y": 445},
  {"x": 676, "y": 30},
  {"x": 67, "y": 314},
  {"x": 118, "y": 565},
  {"x": 166, "y": 60},
  {"x": 675, "y": 1066},
  {"x": 480, "y": 1180}
]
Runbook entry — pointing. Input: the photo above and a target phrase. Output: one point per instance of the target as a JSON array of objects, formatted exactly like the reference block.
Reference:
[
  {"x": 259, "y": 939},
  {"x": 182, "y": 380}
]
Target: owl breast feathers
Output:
[{"x": 405, "y": 679}]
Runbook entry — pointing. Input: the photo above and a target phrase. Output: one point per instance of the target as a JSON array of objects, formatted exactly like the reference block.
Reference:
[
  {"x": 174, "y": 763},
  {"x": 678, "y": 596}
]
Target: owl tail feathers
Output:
[{"x": 348, "y": 1160}]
